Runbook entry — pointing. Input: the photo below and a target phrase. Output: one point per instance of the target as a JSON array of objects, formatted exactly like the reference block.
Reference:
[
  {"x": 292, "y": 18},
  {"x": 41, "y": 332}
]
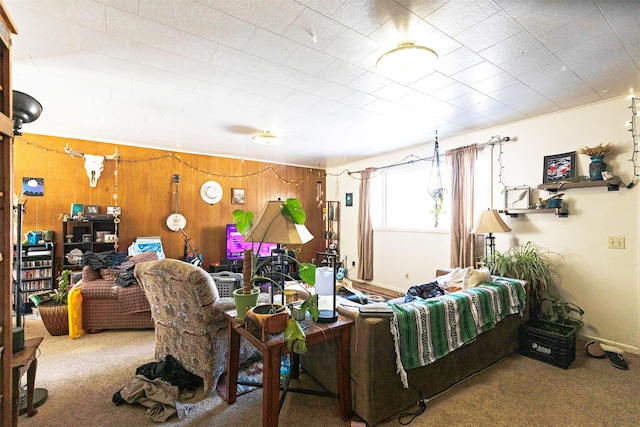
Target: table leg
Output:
[
  {"x": 271, "y": 387},
  {"x": 343, "y": 367},
  {"x": 15, "y": 397},
  {"x": 294, "y": 365},
  {"x": 233, "y": 363},
  {"x": 31, "y": 379}
]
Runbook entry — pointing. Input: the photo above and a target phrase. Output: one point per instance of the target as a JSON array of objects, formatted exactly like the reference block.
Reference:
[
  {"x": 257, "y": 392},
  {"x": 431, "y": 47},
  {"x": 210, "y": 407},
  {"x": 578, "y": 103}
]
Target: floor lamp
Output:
[
  {"x": 26, "y": 109},
  {"x": 489, "y": 223}
]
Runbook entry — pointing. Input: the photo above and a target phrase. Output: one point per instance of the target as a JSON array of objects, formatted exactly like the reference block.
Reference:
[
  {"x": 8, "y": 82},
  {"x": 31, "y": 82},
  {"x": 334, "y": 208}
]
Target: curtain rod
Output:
[{"x": 491, "y": 142}]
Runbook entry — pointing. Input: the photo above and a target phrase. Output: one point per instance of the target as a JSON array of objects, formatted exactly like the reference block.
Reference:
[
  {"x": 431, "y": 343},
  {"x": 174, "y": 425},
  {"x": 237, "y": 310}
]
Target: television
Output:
[{"x": 236, "y": 245}]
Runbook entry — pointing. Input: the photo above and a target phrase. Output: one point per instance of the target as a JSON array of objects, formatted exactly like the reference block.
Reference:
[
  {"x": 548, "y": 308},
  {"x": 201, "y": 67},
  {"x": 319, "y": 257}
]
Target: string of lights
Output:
[
  {"x": 634, "y": 137},
  {"x": 177, "y": 158}
]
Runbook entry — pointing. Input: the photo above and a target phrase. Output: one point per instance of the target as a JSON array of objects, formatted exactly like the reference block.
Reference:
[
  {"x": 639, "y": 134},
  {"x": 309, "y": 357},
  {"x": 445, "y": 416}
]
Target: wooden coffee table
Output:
[{"x": 272, "y": 351}]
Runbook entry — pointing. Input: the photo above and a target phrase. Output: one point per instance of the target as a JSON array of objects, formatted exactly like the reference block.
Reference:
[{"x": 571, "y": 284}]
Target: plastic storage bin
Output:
[{"x": 548, "y": 342}]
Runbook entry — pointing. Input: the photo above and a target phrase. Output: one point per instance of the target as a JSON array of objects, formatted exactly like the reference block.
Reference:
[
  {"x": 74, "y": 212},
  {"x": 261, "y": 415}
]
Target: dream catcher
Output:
[{"x": 436, "y": 192}]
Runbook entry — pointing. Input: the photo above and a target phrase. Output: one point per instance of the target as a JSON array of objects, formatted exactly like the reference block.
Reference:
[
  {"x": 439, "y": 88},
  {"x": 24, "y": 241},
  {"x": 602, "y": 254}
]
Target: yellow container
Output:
[{"x": 74, "y": 303}]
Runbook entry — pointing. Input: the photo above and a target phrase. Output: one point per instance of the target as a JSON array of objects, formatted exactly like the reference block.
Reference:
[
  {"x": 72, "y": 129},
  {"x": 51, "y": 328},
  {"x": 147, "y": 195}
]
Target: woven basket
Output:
[{"x": 55, "y": 318}]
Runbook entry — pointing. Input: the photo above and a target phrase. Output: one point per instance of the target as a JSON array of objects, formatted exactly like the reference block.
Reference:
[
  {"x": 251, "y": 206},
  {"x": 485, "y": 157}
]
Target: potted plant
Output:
[
  {"x": 554, "y": 309},
  {"x": 54, "y": 311},
  {"x": 291, "y": 210},
  {"x": 526, "y": 262},
  {"x": 596, "y": 154}
]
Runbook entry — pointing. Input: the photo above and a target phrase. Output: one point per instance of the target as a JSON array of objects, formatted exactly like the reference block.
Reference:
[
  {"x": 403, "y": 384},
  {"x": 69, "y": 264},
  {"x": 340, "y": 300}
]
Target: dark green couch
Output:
[{"x": 376, "y": 388}]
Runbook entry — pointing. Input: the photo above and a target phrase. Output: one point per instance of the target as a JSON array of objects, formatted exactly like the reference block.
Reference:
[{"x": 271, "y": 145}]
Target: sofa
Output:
[
  {"x": 377, "y": 389},
  {"x": 106, "y": 305}
]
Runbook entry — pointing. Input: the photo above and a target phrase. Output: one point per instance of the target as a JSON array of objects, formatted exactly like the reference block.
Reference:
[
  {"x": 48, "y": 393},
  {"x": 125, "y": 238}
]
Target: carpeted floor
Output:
[{"x": 81, "y": 376}]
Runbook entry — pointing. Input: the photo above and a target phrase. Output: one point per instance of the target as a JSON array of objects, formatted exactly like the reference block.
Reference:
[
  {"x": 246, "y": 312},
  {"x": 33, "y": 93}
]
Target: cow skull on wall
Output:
[{"x": 92, "y": 163}]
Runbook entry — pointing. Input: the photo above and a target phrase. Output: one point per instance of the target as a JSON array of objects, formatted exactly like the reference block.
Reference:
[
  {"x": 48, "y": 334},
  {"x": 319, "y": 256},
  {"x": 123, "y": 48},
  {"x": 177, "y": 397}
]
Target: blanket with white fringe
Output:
[{"x": 425, "y": 330}]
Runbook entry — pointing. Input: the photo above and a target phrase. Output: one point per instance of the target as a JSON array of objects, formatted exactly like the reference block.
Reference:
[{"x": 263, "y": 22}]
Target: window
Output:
[{"x": 401, "y": 197}]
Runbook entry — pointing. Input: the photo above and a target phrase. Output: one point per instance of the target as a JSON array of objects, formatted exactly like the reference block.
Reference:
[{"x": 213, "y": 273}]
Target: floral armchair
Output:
[{"x": 187, "y": 316}]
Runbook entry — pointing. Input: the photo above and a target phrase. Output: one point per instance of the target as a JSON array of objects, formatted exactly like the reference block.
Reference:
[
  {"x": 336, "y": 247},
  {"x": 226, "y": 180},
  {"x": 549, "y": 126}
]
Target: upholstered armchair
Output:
[{"x": 187, "y": 316}]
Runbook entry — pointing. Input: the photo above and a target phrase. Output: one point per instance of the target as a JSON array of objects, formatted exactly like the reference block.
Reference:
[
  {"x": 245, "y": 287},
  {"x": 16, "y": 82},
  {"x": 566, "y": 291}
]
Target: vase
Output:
[
  {"x": 55, "y": 318},
  {"x": 596, "y": 167}
]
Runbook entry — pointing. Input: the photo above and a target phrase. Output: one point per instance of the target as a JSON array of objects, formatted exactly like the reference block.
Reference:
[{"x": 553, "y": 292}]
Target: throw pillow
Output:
[
  {"x": 89, "y": 274},
  {"x": 473, "y": 277}
]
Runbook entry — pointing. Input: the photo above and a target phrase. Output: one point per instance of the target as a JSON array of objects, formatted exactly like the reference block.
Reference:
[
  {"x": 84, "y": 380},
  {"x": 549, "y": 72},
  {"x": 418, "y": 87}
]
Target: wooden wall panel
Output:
[{"x": 146, "y": 191}]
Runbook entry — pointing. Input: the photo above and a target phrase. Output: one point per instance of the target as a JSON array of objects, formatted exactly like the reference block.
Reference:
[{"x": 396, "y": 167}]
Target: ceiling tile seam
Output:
[{"x": 604, "y": 16}]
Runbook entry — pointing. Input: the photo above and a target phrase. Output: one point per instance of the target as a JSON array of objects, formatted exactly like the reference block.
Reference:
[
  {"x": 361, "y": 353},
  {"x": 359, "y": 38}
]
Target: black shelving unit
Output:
[
  {"x": 34, "y": 271},
  {"x": 84, "y": 235}
]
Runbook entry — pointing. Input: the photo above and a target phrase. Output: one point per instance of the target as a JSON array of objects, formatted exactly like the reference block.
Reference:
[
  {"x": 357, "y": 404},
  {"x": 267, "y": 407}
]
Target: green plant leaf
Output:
[
  {"x": 243, "y": 220},
  {"x": 307, "y": 273},
  {"x": 293, "y": 211},
  {"x": 295, "y": 337}
]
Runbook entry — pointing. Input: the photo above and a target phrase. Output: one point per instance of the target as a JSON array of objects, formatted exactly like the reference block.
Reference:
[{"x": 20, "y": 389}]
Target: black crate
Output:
[{"x": 548, "y": 342}]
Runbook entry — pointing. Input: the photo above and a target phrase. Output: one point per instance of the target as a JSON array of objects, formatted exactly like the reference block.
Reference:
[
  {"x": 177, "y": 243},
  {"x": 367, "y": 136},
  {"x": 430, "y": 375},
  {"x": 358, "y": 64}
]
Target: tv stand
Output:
[{"x": 231, "y": 265}]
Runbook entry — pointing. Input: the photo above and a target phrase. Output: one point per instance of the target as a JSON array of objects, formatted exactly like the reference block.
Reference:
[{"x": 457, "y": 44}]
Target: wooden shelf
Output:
[
  {"x": 612, "y": 184},
  {"x": 513, "y": 213}
]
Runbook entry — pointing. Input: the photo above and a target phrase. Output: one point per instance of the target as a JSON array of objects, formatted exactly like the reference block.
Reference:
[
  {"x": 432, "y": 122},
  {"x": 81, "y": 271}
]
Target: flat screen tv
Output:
[{"x": 236, "y": 245}]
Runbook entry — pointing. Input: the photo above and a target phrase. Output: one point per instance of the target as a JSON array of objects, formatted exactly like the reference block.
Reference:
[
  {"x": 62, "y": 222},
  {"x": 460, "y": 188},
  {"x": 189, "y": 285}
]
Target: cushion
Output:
[
  {"x": 89, "y": 274},
  {"x": 473, "y": 277}
]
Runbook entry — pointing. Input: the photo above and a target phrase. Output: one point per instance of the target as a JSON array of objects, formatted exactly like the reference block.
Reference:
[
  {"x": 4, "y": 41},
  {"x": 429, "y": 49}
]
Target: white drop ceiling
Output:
[{"x": 204, "y": 76}]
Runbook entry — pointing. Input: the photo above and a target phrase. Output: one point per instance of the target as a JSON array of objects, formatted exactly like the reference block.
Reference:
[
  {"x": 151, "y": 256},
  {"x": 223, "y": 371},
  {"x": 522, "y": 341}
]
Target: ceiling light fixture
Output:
[
  {"x": 267, "y": 138},
  {"x": 407, "y": 61}
]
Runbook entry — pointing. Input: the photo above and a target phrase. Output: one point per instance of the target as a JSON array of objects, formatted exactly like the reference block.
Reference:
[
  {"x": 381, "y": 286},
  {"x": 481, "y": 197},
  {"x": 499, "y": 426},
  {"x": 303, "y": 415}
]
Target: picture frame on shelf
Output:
[
  {"x": 91, "y": 210},
  {"x": 559, "y": 167},
  {"x": 517, "y": 198},
  {"x": 114, "y": 210},
  {"x": 237, "y": 196},
  {"x": 76, "y": 209}
]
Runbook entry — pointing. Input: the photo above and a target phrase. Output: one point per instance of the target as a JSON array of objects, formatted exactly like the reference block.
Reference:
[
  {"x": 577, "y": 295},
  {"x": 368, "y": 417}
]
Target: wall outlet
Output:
[{"x": 616, "y": 242}]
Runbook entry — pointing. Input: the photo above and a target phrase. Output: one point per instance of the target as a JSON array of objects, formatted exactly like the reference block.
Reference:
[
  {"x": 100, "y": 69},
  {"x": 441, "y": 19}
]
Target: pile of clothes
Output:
[{"x": 161, "y": 387}]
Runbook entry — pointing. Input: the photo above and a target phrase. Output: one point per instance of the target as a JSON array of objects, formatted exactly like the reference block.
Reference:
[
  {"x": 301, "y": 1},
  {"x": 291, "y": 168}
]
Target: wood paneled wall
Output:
[{"x": 146, "y": 192}]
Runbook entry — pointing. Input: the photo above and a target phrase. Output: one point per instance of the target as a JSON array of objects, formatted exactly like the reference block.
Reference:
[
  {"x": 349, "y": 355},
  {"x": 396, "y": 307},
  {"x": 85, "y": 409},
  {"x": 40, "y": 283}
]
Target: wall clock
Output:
[{"x": 211, "y": 192}]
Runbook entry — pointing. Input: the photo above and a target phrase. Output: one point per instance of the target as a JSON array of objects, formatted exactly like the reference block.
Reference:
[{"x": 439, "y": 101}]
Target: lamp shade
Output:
[
  {"x": 490, "y": 222},
  {"x": 273, "y": 227}
]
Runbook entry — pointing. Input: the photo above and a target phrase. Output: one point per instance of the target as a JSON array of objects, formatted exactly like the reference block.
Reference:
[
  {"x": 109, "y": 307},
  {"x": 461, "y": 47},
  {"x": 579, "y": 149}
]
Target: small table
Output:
[
  {"x": 21, "y": 361},
  {"x": 272, "y": 351}
]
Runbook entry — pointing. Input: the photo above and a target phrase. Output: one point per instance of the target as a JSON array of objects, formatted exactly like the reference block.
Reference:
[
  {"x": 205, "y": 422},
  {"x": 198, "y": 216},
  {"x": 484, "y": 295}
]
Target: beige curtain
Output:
[
  {"x": 365, "y": 230},
  {"x": 462, "y": 166}
]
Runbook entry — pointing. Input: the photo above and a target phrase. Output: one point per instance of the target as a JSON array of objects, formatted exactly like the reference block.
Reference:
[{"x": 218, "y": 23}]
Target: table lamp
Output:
[
  {"x": 489, "y": 223},
  {"x": 274, "y": 227}
]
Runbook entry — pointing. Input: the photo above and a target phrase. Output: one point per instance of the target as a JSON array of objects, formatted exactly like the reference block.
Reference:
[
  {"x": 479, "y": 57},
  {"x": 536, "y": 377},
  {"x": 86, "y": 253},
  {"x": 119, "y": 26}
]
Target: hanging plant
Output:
[{"x": 438, "y": 197}]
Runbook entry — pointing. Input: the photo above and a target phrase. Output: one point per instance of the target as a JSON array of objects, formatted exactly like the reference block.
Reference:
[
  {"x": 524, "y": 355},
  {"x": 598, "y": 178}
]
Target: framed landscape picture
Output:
[{"x": 559, "y": 167}]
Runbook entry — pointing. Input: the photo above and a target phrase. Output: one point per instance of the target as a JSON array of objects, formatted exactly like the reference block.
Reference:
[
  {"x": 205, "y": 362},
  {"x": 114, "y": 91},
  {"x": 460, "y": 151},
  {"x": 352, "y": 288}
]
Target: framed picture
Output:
[
  {"x": 91, "y": 210},
  {"x": 348, "y": 199},
  {"x": 33, "y": 186},
  {"x": 559, "y": 167},
  {"x": 237, "y": 196},
  {"x": 114, "y": 210},
  {"x": 76, "y": 208},
  {"x": 517, "y": 198}
]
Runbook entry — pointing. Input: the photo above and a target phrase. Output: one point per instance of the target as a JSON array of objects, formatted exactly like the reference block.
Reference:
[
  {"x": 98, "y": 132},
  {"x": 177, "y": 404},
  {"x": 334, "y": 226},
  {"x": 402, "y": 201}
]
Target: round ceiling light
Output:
[
  {"x": 407, "y": 61},
  {"x": 267, "y": 138}
]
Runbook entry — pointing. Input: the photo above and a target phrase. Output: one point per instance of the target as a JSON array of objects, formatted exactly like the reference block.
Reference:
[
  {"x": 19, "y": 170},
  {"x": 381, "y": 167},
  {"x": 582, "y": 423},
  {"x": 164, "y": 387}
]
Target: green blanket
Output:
[{"x": 425, "y": 330}]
